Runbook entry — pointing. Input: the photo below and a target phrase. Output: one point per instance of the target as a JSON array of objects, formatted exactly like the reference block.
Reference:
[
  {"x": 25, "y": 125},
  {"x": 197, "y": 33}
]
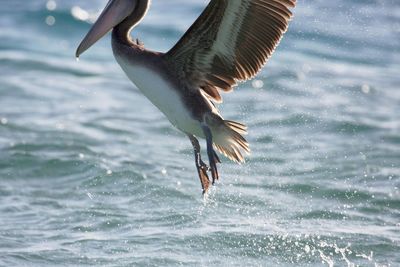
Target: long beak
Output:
[{"x": 113, "y": 14}]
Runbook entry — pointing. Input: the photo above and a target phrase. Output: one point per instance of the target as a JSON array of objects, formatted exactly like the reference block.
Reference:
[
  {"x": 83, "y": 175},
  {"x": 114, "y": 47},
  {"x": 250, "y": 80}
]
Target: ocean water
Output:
[{"x": 91, "y": 174}]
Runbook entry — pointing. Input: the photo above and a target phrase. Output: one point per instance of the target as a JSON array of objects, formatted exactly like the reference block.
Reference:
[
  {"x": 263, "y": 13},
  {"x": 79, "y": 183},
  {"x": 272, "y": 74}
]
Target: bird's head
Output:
[{"x": 114, "y": 13}]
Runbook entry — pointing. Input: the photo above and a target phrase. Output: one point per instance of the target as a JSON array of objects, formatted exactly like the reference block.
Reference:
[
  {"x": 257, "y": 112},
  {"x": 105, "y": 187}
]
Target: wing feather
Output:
[{"x": 228, "y": 43}]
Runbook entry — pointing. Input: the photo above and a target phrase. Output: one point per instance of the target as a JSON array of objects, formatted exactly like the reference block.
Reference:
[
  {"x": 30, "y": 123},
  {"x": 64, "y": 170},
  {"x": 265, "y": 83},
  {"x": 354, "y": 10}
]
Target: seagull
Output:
[{"x": 228, "y": 43}]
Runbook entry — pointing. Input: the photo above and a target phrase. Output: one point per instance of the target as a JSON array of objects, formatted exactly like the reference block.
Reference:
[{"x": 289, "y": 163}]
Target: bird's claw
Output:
[{"x": 204, "y": 166}]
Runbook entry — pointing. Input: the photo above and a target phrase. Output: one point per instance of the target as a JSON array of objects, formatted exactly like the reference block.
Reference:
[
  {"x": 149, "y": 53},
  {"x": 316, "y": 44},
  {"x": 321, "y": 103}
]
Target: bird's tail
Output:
[{"x": 228, "y": 137}]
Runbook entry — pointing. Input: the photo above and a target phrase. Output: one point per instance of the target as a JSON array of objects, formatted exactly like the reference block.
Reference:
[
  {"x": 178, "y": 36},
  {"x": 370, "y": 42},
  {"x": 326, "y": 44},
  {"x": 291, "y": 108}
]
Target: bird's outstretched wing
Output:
[{"x": 229, "y": 42}]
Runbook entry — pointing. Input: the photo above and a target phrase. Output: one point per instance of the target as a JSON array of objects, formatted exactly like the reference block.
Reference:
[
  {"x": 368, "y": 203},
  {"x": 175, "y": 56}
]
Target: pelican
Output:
[{"x": 230, "y": 42}]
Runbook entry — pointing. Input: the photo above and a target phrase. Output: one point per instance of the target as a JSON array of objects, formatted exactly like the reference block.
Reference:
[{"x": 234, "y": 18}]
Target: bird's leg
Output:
[
  {"x": 202, "y": 168},
  {"x": 212, "y": 155}
]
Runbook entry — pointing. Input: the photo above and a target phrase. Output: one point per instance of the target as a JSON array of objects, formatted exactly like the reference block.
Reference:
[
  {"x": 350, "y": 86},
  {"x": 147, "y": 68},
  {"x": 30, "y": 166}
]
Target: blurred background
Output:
[{"x": 92, "y": 174}]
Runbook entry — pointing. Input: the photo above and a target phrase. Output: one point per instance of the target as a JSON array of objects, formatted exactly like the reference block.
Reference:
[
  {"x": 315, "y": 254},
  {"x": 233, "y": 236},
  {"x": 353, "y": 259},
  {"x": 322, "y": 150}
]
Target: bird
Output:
[{"x": 227, "y": 44}]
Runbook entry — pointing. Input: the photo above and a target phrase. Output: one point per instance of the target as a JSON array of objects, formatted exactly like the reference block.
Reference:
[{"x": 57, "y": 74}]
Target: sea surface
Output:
[{"x": 91, "y": 174}]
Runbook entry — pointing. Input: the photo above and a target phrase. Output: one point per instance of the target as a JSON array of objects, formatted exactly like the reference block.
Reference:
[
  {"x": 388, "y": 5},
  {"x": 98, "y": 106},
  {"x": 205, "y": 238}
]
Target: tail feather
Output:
[
  {"x": 228, "y": 139},
  {"x": 237, "y": 126}
]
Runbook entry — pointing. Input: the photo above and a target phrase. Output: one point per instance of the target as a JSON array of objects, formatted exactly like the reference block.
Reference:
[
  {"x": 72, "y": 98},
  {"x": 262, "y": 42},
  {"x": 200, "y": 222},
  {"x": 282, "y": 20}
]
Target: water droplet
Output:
[
  {"x": 50, "y": 20},
  {"x": 51, "y": 5},
  {"x": 365, "y": 88},
  {"x": 109, "y": 172},
  {"x": 257, "y": 84},
  {"x": 4, "y": 121},
  {"x": 79, "y": 13},
  {"x": 164, "y": 171},
  {"x": 81, "y": 156}
]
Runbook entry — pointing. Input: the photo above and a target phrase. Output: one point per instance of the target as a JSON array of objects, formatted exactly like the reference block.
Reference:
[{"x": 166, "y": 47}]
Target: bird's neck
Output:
[{"x": 123, "y": 30}]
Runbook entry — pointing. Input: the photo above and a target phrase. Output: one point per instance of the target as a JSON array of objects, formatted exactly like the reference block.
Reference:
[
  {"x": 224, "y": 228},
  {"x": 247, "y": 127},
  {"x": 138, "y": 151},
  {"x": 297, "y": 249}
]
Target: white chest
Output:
[{"x": 162, "y": 95}]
